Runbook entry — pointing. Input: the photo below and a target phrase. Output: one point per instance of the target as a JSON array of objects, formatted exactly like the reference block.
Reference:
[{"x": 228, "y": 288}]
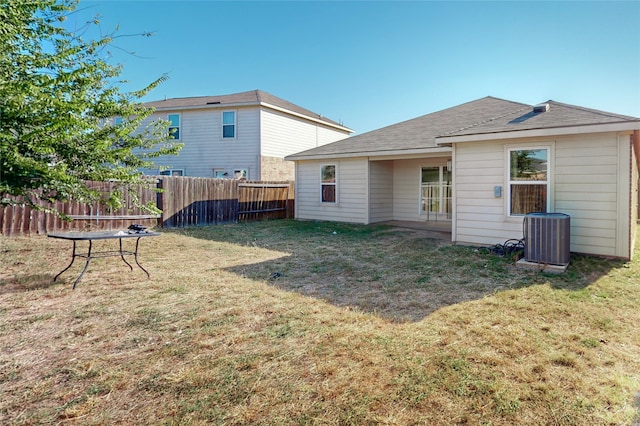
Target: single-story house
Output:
[{"x": 480, "y": 167}]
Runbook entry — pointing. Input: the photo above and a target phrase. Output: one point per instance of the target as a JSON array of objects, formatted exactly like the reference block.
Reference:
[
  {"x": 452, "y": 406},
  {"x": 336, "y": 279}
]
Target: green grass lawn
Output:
[{"x": 285, "y": 322}]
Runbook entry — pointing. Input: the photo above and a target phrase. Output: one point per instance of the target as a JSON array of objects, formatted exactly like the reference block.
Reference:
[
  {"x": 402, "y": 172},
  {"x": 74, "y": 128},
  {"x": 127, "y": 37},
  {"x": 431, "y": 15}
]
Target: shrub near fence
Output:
[{"x": 184, "y": 201}]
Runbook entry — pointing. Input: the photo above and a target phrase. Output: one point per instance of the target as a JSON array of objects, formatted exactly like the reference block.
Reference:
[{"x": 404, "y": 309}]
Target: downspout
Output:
[
  {"x": 454, "y": 202},
  {"x": 260, "y": 142},
  {"x": 635, "y": 186},
  {"x": 635, "y": 142}
]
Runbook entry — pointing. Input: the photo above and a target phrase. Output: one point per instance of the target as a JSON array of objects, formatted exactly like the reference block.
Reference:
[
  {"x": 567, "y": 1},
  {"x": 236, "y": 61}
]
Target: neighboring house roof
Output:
[
  {"x": 486, "y": 116},
  {"x": 250, "y": 98}
]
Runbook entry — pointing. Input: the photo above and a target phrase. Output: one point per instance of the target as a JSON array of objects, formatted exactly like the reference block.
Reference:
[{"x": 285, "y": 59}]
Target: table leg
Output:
[
  {"x": 73, "y": 258},
  {"x": 122, "y": 254},
  {"x": 86, "y": 265},
  {"x": 136, "y": 257}
]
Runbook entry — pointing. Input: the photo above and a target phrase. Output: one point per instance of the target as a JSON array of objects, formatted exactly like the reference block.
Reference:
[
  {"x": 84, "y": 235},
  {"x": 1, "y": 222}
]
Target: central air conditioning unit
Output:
[{"x": 547, "y": 238}]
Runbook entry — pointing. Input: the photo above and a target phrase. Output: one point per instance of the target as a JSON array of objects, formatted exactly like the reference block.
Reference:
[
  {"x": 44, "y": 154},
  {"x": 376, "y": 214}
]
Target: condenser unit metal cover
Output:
[{"x": 547, "y": 238}]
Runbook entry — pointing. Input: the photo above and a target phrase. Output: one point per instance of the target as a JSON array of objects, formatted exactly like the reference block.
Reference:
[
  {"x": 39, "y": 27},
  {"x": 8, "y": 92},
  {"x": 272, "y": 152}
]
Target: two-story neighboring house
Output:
[{"x": 241, "y": 135}]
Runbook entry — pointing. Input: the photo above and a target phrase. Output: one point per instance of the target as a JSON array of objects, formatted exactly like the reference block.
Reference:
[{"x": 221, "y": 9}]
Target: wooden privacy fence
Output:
[
  {"x": 22, "y": 219},
  {"x": 188, "y": 201},
  {"x": 184, "y": 201}
]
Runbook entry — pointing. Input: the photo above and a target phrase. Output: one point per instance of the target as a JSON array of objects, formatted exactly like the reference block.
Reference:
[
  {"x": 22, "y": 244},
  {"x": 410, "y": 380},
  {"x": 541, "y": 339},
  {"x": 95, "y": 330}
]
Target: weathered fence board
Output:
[
  {"x": 189, "y": 201},
  {"x": 22, "y": 219},
  {"x": 184, "y": 201},
  {"x": 264, "y": 200}
]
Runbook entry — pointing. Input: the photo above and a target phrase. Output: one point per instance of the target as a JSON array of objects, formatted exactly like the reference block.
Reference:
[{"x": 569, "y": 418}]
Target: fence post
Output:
[
  {"x": 160, "y": 202},
  {"x": 235, "y": 199}
]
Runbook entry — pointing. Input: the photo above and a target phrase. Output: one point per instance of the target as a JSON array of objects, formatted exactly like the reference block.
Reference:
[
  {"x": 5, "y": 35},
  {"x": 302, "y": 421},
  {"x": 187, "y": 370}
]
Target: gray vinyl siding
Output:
[
  {"x": 589, "y": 177},
  {"x": 380, "y": 191},
  {"x": 204, "y": 148},
  {"x": 406, "y": 189},
  {"x": 352, "y": 183},
  {"x": 284, "y": 134},
  {"x": 592, "y": 187},
  {"x": 481, "y": 217}
]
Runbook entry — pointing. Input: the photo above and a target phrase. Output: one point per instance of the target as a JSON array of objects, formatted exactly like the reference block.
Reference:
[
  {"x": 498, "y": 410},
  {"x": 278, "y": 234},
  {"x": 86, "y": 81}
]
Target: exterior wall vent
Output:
[
  {"x": 547, "y": 238},
  {"x": 541, "y": 108}
]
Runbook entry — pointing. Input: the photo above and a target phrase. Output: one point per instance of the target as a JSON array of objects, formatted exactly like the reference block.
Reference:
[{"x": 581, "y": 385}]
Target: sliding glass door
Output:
[{"x": 435, "y": 193}]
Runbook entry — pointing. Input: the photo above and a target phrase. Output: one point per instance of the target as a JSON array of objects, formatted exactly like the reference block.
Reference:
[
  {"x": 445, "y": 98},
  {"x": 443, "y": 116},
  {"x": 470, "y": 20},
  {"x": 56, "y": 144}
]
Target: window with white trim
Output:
[
  {"x": 174, "y": 126},
  {"x": 328, "y": 182},
  {"x": 220, "y": 173},
  {"x": 528, "y": 181},
  {"x": 172, "y": 172},
  {"x": 228, "y": 124}
]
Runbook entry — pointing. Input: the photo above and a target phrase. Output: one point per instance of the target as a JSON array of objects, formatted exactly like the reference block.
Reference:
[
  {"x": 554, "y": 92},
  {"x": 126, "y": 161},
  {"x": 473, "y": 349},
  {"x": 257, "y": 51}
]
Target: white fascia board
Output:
[
  {"x": 377, "y": 155},
  {"x": 306, "y": 117},
  {"x": 404, "y": 155},
  {"x": 553, "y": 131},
  {"x": 205, "y": 106}
]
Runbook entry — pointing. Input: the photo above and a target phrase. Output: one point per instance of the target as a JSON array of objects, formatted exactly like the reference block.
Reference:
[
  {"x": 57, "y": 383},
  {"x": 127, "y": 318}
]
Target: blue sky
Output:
[{"x": 371, "y": 64}]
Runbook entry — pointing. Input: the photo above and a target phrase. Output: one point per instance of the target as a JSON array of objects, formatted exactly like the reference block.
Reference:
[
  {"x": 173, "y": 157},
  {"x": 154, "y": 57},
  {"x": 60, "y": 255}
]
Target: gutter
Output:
[
  {"x": 375, "y": 155},
  {"x": 548, "y": 131}
]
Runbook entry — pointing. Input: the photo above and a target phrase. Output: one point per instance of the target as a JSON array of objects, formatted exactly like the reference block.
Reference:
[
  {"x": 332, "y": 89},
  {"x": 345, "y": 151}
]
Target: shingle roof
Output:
[
  {"x": 485, "y": 115},
  {"x": 252, "y": 97},
  {"x": 420, "y": 132},
  {"x": 558, "y": 115}
]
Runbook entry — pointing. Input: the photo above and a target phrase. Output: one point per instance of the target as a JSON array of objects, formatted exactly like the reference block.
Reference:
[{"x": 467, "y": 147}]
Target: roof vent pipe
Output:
[{"x": 541, "y": 108}]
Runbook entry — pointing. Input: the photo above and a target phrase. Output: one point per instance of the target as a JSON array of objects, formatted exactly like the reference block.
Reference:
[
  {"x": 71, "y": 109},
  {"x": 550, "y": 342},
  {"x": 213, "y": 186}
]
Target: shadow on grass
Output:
[
  {"x": 398, "y": 274},
  {"x": 583, "y": 271},
  {"x": 26, "y": 282}
]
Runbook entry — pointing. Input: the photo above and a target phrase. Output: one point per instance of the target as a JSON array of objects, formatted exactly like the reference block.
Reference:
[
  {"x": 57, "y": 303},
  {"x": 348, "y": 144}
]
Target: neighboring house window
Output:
[
  {"x": 174, "y": 126},
  {"x": 172, "y": 172},
  {"x": 228, "y": 124},
  {"x": 240, "y": 174},
  {"x": 328, "y": 183},
  {"x": 528, "y": 180},
  {"x": 220, "y": 173}
]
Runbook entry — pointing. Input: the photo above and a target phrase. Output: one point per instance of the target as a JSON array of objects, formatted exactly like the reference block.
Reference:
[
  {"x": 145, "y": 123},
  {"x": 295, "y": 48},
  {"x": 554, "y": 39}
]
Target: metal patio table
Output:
[{"x": 101, "y": 235}]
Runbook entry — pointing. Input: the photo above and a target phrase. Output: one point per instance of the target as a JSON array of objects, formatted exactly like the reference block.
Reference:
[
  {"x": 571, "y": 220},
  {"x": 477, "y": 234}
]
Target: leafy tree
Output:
[{"x": 63, "y": 116}]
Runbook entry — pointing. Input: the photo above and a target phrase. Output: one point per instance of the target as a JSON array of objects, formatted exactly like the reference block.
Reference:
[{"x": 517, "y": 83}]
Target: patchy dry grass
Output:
[{"x": 288, "y": 323}]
